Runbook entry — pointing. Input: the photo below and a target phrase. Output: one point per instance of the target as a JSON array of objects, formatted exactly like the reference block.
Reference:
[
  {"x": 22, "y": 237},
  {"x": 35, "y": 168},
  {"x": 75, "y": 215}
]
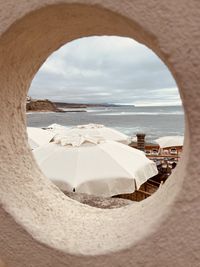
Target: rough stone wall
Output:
[{"x": 40, "y": 226}]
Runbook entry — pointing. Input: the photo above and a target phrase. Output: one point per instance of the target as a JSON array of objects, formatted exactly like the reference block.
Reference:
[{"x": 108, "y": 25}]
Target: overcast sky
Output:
[{"x": 105, "y": 70}]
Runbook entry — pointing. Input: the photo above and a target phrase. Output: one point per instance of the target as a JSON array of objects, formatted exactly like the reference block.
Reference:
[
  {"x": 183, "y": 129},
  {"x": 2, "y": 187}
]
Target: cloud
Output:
[{"x": 105, "y": 69}]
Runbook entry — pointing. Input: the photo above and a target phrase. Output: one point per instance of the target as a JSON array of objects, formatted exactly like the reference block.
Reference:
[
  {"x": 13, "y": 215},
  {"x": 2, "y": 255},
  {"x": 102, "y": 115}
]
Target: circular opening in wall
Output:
[
  {"x": 39, "y": 207},
  {"x": 105, "y": 121}
]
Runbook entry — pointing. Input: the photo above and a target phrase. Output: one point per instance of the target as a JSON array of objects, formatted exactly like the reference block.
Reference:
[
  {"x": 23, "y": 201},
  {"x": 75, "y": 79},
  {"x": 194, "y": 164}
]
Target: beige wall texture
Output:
[{"x": 41, "y": 227}]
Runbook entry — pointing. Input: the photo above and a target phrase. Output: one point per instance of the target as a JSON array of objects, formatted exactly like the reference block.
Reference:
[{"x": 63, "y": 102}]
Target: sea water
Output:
[{"x": 153, "y": 121}]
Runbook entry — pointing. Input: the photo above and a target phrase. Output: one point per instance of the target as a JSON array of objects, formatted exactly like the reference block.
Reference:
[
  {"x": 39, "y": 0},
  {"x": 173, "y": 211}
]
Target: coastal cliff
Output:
[{"x": 42, "y": 106}]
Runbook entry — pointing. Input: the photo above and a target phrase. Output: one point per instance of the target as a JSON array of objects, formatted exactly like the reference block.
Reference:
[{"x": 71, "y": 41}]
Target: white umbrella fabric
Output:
[
  {"x": 57, "y": 129},
  {"x": 104, "y": 168},
  {"x": 99, "y": 131},
  {"x": 170, "y": 141},
  {"x": 56, "y": 126},
  {"x": 38, "y": 137}
]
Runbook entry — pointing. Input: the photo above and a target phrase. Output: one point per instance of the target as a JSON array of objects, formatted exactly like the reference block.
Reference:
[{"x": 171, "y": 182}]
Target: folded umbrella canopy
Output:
[
  {"x": 99, "y": 131},
  {"x": 88, "y": 165},
  {"x": 55, "y": 127}
]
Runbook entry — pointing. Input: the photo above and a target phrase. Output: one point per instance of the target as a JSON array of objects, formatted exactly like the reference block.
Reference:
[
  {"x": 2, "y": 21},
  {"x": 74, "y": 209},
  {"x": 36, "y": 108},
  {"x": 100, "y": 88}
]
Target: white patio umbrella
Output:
[
  {"x": 56, "y": 126},
  {"x": 103, "y": 168},
  {"x": 100, "y": 131},
  {"x": 38, "y": 137},
  {"x": 57, "y": 129},
  {"x": 170, "y": 141}
]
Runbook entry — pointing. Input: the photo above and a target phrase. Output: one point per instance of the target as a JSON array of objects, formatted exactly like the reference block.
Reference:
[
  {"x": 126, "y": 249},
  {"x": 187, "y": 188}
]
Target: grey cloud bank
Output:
[{"x": 105, "y": 70}]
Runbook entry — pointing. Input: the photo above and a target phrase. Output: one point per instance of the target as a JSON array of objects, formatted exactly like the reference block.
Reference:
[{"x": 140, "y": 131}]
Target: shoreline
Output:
[{"x": 50, "y": 111}]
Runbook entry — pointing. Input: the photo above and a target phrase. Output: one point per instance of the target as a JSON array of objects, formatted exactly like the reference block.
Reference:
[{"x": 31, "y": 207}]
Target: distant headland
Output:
[{"x": 45, "y": 105}]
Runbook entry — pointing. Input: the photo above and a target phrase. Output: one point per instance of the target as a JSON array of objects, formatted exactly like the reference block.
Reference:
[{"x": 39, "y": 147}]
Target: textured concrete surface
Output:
[
  {"x": 39, "y": 225},
  {"x": 1, "y": 264},
  {"x": 99, "y": 202}
]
